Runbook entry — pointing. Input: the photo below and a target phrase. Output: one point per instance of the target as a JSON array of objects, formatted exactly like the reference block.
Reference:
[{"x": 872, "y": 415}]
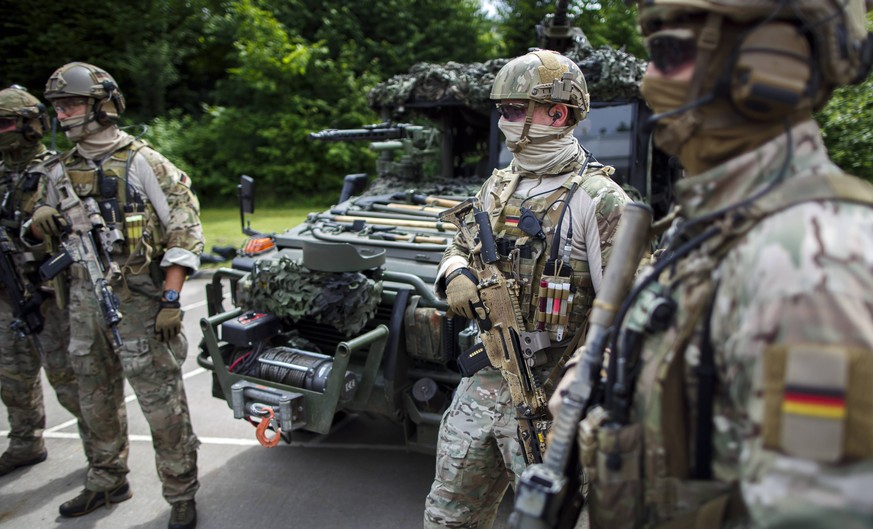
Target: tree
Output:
[
  {"x": 149, "y": 47},
  {"x": 604, "y": 22}
]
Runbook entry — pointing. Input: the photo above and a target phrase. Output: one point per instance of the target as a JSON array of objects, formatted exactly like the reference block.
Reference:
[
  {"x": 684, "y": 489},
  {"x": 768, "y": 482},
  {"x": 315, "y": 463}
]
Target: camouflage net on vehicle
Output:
[
  {"x": 285, "y": 288},
  {"x": 610, "y": 74}
]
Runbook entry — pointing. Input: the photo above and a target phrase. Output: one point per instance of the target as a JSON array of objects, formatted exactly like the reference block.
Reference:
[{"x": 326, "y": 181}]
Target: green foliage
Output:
[
  {"x": 232, "y": 87},
  {"x": 604, "y": 22},
  {"x": 278, "y": 89},
  {"x": 847, "y": 125},
  {"x": 612, "y": 23}
]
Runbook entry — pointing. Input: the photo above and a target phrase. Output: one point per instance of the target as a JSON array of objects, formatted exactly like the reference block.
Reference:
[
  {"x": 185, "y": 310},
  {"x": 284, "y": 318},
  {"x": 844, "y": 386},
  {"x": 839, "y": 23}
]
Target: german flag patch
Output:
[
  {"x": 814, "y": 399},
  {"x": 814, "y": 402}
]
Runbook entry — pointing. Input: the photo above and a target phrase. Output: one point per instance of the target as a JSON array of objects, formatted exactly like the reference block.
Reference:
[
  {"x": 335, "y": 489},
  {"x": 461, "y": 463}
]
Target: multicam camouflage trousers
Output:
[
  {"x": 20, "y": 386},
  {"x": 154, "y": 371},
  {"x": 478, "y": 455}
]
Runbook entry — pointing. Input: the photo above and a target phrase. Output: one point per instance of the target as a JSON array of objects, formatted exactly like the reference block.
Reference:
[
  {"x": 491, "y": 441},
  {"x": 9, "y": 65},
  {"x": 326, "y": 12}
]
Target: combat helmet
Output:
[
  {"x": 32, "y": 119},
  {"x": 544, "y": 76},
  {"x": 86, "y": 80},
  {"x": 839, "y": 45}
]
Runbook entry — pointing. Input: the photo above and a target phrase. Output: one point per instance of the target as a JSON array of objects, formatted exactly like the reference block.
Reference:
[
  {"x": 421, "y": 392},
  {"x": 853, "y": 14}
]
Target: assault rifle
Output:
[
  {"x": 544, "y": 498},
  {"x": 25, "y": 298},
  {"x": 509, "y": 347},
  {"x": 89, "y": 242}
]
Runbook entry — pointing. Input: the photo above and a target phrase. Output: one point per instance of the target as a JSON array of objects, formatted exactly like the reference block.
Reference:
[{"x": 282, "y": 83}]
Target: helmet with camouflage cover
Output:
[
  {"x": 31, "y": 119},
  {"x": 79, "y": 79},
  {"x": 841, "y": 47},
  {"x": 545, "y": 77},
  {"x": 758, "y": 68}
]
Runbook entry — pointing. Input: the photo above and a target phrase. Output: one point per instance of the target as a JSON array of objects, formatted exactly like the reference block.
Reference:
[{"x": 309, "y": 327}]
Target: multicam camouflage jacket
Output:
[
  {"x": 166, "y": 208},
  {"x": 790, "y": 330},
  {"x": 19, "y": 191},
  {"x": 594, "y": 211}
]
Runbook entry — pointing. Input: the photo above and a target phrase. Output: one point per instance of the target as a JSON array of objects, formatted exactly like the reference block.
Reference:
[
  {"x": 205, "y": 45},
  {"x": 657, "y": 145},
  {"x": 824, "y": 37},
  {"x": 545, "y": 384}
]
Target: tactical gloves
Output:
[
  {"x": 168, "y": 322},
  {"x": 461, "y": 292},
  {"x": 47, "y": 219}
]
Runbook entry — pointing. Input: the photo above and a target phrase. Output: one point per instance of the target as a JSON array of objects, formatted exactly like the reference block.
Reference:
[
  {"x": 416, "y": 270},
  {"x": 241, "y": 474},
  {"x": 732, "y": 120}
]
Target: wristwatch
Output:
[{"x": 171, "y": 295}]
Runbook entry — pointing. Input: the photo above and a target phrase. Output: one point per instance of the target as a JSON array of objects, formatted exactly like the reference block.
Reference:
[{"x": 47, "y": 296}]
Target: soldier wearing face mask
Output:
[
  {"x": 146, "y": 204},
  {"x": 24, "y": 162},
  {"x": 748, "y": 401},
  {"x": 553, "y": 213}
]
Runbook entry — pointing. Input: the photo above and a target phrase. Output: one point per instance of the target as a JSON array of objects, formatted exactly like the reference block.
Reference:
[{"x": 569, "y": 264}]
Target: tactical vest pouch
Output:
[
  {"x": 134, "y": 223},
  {"x": 611, "y": 457},
  {"x": 710, "y": 514},
  {"x": 472, "y": 360},
  {"x": 425, "y": 332},
  {"x": 817, "y": 402},
  {"x": 84, "y": 182}
]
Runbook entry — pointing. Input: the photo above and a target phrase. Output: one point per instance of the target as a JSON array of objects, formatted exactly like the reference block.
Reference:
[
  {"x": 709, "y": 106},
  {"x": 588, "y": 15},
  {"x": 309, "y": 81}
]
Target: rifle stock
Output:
[{"x": 543, "y": 496}]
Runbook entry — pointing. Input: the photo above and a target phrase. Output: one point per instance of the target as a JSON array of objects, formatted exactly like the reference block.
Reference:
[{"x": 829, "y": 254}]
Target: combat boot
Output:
[
  {"x": 89, "y": 500},
  {"x": 184, "y": 515},
  {"x": 10, "y": 461}
]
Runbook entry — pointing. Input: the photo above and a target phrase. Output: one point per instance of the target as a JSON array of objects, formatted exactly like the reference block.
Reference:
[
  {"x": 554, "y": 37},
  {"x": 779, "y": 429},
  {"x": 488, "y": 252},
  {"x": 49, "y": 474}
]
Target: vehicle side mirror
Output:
[
  {"x": 353, "y": 184},
  {"x": 246, "y": 192}
]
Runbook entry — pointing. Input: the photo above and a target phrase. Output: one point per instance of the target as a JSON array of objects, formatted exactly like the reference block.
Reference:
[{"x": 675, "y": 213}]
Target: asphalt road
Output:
[{"x": 359, "y": 476}]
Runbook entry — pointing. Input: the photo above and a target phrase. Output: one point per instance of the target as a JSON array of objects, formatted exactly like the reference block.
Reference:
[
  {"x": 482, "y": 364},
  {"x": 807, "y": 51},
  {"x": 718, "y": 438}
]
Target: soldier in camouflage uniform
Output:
[
  {"x": 542, "y": 97},
  {"x": 149, "y": 200},
  {"x": 25, "y": 161},
  {"x": 753, "y": 402}
]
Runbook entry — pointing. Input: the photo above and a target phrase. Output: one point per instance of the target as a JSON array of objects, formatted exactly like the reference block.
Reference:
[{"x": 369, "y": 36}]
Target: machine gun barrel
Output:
[
  {"x": 543, "y": 489},
  {"x": 378, "y": 132},
  {"x": 560, "y": 18}
]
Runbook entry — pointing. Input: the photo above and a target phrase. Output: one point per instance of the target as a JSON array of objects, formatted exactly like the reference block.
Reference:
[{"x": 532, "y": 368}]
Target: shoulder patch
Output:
[{"x": 817, "y": 401}]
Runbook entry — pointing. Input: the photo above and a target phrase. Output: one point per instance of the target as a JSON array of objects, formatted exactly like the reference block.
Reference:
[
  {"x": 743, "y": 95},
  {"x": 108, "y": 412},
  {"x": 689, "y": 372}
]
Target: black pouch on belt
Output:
[{"x": 473, "y": 359}]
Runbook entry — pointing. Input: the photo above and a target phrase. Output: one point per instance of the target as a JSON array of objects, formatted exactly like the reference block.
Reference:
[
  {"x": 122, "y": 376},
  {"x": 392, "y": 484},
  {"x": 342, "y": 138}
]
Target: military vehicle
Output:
[{"x": 338, "y": 315}]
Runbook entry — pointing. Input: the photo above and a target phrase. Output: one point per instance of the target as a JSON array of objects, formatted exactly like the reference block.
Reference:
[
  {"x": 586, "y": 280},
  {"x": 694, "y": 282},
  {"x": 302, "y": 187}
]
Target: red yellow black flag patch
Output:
[{"x": 814, "y": 402}]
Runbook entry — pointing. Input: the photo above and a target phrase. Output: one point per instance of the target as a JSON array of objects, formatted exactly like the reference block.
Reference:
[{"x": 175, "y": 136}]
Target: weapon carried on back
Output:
[
  {"x": 24, "y": 296},
  {"x": 508, "y": 345},
  {"x": 89, "y": 242},
  {"x": 544, "y": 491}
]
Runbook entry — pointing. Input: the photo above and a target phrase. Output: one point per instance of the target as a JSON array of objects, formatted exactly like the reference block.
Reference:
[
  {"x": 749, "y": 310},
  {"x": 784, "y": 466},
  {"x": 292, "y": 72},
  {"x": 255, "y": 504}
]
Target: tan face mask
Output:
[
  {"x": 664, "y": 95},
  {"x": 79, "y": 129},
  {"x": 548, "y": 157},
  {"x": 714, "y": 134}
]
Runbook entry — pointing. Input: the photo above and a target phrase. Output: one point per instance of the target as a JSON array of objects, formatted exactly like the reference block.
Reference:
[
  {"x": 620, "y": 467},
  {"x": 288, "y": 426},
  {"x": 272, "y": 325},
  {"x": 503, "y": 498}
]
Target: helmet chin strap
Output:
[
  {"x": 64, "y": 128},
  {"x": 90, "y": 119},
  {"x": 523, "y": 140}
]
